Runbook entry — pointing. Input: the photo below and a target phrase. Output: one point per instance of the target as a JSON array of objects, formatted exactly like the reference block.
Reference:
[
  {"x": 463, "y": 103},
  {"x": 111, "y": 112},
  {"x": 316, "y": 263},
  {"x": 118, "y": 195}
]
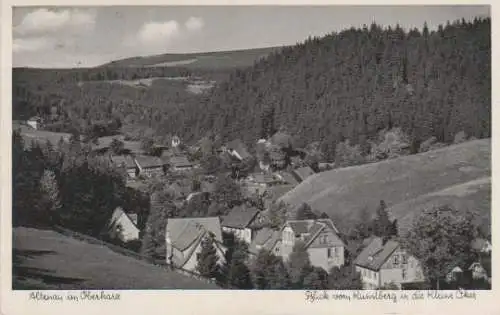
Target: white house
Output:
[
  {"x": 381, "y": 264},
  {"x": 123, "y": 226},
  {"x": 34, "y": 122},
  {"x": 184, "y": 237},
  {"x": 242, "y": 221}
]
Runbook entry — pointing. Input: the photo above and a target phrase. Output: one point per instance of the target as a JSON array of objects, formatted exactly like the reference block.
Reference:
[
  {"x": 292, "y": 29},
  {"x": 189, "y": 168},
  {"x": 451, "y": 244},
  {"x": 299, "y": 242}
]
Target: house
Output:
[
  {"x": 478, "y": 271},
  {"x": 237, "y": 149},
  {"x": 481, "y": 245},
  {"x": 386, "y": 263},
  {"x": 242, "y": 221},
  {"x": 180, "y": 163},
  {"x": 454, "y": 274},
  {"x": 127, "y": 162},
  {"x": 34, "y": 122},
  {"x": 184, "y": 238},
  {"x": 264, "y": 239},
  {"x": 123, "y": 225},
  {"x": 198, "y": 197},
  {"x": 320, "y": 238},
  {"x": 176, "y": 141},
  {"x": 287, "y": 178},
  {"x": 149, "y": 166},
  {"x": 301, "y": 174}
]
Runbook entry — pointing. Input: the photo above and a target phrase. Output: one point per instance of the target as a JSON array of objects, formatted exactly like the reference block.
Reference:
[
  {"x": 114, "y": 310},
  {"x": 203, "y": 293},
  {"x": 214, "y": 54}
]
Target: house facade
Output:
[
  {"x": 184, "y": 237},
  {"x": 381, "y": 264},
  {"x": 180, "y": 163},
  {"x": 123, "y": 226},
  {"x": 128, "y": 163},
  {"x": 149, "y": 166},
  {"x": 34, "y": 122},
  {"x": 320, "y": 238},
  {"x": 242, "y": 221}
]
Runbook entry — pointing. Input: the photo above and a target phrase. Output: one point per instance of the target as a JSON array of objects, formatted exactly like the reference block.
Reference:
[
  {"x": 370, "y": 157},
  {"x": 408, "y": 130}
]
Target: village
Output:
[{"x": 262, "y": 221}]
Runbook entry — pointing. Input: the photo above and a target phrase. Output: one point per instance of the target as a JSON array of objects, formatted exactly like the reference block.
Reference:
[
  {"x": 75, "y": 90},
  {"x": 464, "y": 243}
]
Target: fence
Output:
[{"x": 121, "y": 250}]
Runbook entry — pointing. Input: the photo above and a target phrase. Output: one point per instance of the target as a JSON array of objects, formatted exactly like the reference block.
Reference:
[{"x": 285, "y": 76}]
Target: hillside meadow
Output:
[
  {"x": 47, "y": 260},
  {"x": 458, "y": 174}
]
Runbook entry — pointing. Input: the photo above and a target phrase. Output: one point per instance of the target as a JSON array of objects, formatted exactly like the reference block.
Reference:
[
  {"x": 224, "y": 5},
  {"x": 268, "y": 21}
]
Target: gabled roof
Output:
[
  {"x": 265, "y": 238},
  {"x": 376, "y": 254},
  {"x": 303, "y": 173},
  {"x": 119, "y": 212},
  {"x": 146, "y": 161},
  {"x": 240, "y": 217},
  {"x": 180, "y": 161},
  {"x": 125, "y": 160},
  {"x": 238, "y": 146},
  {"x": 310, "y": 229},
  {"x": 185, "y": 231}
]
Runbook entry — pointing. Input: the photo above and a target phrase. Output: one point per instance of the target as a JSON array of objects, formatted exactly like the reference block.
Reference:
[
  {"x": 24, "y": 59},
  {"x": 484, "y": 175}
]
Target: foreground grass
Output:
[
  {"x": 424, "y": 178},
  {"x": 44, "y": 259}
]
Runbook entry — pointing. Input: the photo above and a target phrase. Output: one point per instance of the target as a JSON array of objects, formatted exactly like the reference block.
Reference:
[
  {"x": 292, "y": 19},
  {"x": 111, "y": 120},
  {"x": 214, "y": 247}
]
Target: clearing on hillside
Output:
[
  {"x": 47, "y": 260},
  {"x": 342, "y": 193}
]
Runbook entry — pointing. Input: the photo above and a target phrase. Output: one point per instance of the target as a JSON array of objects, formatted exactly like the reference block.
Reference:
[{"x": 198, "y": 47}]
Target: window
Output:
[
  {"x": 329, "y": 252},
  {"x": 405, "y": 259},
  {"x": 403, "y": 274},
  {"x": 396, "y": 259},
  {"x": 337, "y": 251}
]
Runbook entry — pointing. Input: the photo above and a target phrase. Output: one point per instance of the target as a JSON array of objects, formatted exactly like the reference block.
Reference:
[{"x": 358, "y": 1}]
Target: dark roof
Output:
[
  {"x": 125, "y": 160},
  {"x": 240, "y": 217},
  {"x": 185, "y": 231},
  {"x": 146, "y": 161},
  {"x": 180, "y": 161},
  {"x": 376, "y": 254},
  {"x": 265, "y": 238},
  {"x": 311, "y": 228},
  {"x": 238, "y": 146},
  {"x": 303, "y": 173}
]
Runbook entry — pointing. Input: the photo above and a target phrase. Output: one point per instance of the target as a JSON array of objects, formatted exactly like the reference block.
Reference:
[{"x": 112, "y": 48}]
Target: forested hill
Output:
[{"x": 358, "y": 81}]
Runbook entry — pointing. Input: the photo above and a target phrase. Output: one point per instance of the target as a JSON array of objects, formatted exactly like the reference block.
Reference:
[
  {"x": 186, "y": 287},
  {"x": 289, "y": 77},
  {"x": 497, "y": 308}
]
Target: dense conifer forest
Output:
[{"x": 346, "y": 85}]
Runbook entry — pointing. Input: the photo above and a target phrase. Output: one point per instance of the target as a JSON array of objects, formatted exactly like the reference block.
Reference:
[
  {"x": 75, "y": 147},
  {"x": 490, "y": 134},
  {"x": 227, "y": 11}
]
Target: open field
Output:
[
  {"x": 406, "y": 184},
  {"x": 44, "y": 259},
  {"x": 208, "y": 60}
]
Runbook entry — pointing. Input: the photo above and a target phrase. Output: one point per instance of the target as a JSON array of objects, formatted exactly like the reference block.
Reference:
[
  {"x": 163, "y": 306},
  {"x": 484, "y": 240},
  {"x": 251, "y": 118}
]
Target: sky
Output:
[{"x": 63, "y": 37}]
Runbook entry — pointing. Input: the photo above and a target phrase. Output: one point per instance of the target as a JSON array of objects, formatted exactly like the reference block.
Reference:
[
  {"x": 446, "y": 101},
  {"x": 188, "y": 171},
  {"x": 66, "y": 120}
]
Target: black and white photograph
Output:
[{"x": 328, "y": 147}]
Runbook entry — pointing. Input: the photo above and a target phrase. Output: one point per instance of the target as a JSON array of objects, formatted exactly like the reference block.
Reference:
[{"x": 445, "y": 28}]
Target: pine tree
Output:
[
  {"x": 51, "y": 201},
  {"x": 304, "y": 212},
  {"x": 298, "y": 264},
  {"x": 382, "y": 225},
  {"x": 207, "y": 260}
]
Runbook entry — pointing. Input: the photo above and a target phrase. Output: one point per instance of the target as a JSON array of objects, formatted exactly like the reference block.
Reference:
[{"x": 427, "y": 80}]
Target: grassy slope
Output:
[
  {"x": 208, "y": 60},
  {"x": 50, "y": 260},
  {"x": 344, "y": 192}
]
